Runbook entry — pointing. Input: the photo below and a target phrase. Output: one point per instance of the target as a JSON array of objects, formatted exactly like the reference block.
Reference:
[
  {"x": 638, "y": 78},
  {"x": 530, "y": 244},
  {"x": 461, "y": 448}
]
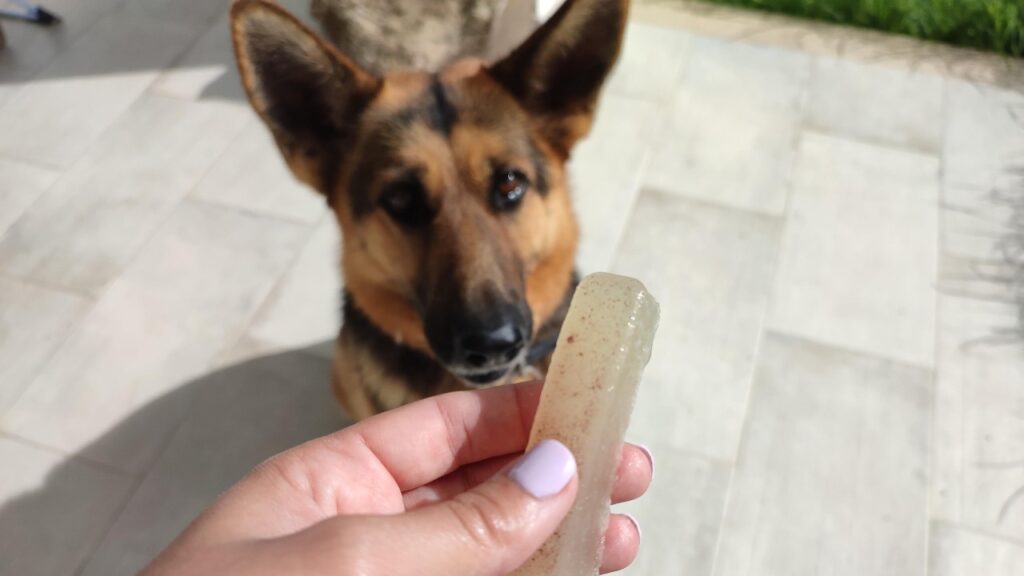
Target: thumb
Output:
[{"x": 493, "y": 528}]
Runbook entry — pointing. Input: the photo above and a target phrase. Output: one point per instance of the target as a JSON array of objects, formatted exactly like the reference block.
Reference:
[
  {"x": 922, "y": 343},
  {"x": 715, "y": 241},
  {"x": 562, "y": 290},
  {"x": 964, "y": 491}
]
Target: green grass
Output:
[{"x": 996, "y": 25}]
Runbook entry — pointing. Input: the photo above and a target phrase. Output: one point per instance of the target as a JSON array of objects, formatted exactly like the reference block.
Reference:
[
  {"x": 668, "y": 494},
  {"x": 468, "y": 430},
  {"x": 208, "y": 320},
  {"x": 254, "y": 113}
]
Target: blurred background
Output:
[{"x": 831, "y": 216}]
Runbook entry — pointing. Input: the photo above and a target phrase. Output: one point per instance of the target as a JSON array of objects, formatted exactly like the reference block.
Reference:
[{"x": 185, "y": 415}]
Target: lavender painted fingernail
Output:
[{"x": 545, "y": 470}]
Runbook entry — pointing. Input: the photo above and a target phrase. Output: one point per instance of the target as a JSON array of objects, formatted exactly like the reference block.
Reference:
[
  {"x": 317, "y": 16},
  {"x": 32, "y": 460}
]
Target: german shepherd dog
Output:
[{"x": 458, "y": 234}]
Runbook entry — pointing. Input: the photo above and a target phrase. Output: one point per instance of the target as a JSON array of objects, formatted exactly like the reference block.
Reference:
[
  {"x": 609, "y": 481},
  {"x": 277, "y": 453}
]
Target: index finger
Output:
[{"x": 428, "y": 439}]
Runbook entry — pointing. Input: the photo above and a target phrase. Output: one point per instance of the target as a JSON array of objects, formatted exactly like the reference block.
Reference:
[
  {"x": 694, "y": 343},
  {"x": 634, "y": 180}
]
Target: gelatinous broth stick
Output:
[{"x": 602, "y": 350}]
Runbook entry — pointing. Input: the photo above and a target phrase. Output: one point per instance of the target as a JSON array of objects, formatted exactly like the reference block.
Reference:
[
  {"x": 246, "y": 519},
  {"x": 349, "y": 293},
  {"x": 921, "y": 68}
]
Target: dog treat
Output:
[{"x": 602, "y": 350}]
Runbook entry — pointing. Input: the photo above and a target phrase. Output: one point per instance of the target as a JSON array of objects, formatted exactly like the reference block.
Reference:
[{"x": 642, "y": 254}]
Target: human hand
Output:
[{"x": 421, "y": 490}]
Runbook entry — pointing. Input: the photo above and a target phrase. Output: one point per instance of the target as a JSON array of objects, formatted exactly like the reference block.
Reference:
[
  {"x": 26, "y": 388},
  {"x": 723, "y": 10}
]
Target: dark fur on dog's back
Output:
[{"x": 450, "y": 191}]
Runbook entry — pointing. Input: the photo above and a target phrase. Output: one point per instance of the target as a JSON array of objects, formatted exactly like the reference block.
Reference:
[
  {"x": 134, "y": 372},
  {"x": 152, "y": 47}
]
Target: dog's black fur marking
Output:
[
  {"x": 434, "y": 110},
  {"x": 377, "y": 153},
  {"x": 415, "y": 368},
  {"x": 540, "y": 179},
  {"x": 441, "y": 113}
]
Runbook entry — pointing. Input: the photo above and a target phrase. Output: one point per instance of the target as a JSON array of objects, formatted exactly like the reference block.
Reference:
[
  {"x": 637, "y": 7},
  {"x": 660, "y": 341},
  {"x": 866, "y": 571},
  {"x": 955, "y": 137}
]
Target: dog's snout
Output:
[
  {"x": 481, "y": 345},
  {"x": 478, "y": 348}
]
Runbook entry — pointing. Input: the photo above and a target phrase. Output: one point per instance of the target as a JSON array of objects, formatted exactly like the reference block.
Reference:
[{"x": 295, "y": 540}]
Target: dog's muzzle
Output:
[{"x": 483, "y": 348}]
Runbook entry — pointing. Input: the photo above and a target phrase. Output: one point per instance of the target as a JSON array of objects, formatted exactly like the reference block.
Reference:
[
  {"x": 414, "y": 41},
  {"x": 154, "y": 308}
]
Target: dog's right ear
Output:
[
  {"x": 558, "y": 72},
  {"x": 308, "y": 94}
]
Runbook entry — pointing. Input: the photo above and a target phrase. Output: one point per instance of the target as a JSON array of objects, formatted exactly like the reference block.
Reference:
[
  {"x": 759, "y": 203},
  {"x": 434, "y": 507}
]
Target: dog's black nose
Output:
[
  {"x": 480, "y": 348},
  {"x": 480, "y": 343}
]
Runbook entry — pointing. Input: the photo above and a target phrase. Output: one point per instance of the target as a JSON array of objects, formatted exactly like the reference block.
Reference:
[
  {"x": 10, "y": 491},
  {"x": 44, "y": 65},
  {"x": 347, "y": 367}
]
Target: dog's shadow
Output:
[{"x": 229, "y": 421}]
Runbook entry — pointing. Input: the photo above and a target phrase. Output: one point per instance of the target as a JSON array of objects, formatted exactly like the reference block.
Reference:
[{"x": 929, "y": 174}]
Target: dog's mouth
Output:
[
  {"x": 496, "y": 374},
  {"x": 486, "y": 378},
  {"x": 489, "y": 375}
]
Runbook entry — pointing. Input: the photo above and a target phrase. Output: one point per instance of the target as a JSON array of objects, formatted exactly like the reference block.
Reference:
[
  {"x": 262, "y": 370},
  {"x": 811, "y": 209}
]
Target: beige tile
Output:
[
  {"x": 30, "y": 48},
  {"x": 251, "y": 175},
  {"x": 711, "y": 269},
  {"x": 733, "y": 126},
  {"x": 197, "y": 13},
  {"x": 53, "y": 510},
  {"x": 247, "y": 348},
  {"x": 978, "y": 452},
  {"x": 605, "y": 176},
  {"x": 55, "y": 119},
  {"x": 241, "y": 415},
  {"x": 680, "y": 515},
  {"x": 188, "y": 12},
  {"x": 305, "y": 306},
  {"x": 976, "y": 223},
  {"x": 184, "y": 301},
  {"x": 704, "y": 18},
  {"x": 206, "y": 70},
  {"x": 831, "y": 477},
  {"x": 651, "y": 63},
  {"x": 858, "y": 264},
  {"x": 301, "y": 9},
  {"x": 20, "y": 185},
  {"x": 83, "y": 232},
  {"x": 34, "y": 321},
  {"x": 984, "y": 136},
  {"x": 895, "y": 51},
  {"x": 870, "y": 102},
  {"x": 958, "y": 552},
  {"x": 977, "y": 464}
]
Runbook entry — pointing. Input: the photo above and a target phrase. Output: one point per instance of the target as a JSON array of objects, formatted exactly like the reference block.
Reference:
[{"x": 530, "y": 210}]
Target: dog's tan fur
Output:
[{"x": 349, "y": 135}]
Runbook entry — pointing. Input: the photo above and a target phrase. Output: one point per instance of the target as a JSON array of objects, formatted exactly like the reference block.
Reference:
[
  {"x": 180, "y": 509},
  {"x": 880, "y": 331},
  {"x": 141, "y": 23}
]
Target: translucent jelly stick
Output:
[{"x": 591, "y": 386}]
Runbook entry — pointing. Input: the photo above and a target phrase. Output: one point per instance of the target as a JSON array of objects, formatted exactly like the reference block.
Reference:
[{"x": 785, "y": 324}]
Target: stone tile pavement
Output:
[{"x": 824, "y": 213}]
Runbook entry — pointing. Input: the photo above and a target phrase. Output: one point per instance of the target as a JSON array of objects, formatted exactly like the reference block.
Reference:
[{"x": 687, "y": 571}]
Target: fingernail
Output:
[
  {"x": 636, "y": 525},
  {"x": 650, "y": 457},
  {"x": 545, "y": 470}
]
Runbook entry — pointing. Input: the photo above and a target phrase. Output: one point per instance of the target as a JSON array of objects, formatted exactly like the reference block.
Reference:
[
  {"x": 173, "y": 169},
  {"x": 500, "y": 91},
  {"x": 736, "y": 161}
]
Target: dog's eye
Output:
[
  {"x": 508, "y": 188},
  {"x": 405, "y": 201}
]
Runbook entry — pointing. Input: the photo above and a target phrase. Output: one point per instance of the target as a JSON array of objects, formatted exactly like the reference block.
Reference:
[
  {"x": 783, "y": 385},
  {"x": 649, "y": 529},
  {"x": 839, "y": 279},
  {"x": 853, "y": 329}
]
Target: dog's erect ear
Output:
[
  {"x": 557, "y": 73},
  {"x": 308, "y": 94}
]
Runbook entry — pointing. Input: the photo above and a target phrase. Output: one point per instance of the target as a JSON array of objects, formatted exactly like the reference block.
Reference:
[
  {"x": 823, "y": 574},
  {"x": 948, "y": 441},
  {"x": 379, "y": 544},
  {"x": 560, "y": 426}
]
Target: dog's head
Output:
[{"x": 450, "y": 188}]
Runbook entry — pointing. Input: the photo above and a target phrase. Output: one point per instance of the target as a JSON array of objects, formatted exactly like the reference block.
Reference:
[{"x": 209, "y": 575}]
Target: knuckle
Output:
[
  {"x": 285, "y": 471},
  {"x": 487, "y": 521}
]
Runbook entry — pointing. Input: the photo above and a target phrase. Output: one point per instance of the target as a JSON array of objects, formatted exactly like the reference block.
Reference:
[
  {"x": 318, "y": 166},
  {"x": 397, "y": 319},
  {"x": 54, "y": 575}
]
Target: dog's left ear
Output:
[
  {"x": 307, "y": 93},
  {"x": 558, "y": 72}
]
